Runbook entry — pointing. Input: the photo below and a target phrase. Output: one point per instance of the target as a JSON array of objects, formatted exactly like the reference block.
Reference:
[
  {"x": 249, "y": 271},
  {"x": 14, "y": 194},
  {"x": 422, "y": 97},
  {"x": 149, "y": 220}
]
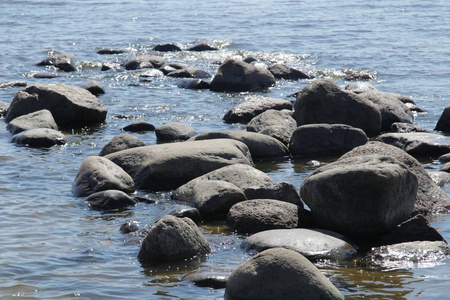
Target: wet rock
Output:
[
  {"x": 211, "y": 279},
  {"x": 138, "y": 62},
  {"x": 249, "y": 59},
  {"x": 344, "y": 195},
  {"x": 202, "y": 47},
  {"x": 66, "y": 62},
  {"x": 170, "y": 67},
  {"x": 254, "y": 106},
  {"x": 149, "y": 73},
  {"x": 39, "y": 119},
  {"x": 139, "y": 126},
  {"x": 9, "y": 84},
  {"x": 430, "y": 198},
  {"x": 443, "y": 124},
  {"x": 174, "y": 132},
  {"x": 129, "y": 227},
  {"x": 325, "y": 140},
  {"x": 446, "y": 168},
  {"x": 414, "y": 229},
  {"x": 281, "y": 71},
  {"x": 314, "y": 244},
  {"x": 444, "y": 158},
  {"x": 359, "y": 76},
  {"x": 121, "y": 142},
  {"x": 279, "y": 274},
  {"x": 214, "y": 198},
  {"x": 70, "y": 106},
  {"x": 238, "y": 76},
  {"x": 440, "y": 178},
  {"x": 261, "y": 146},
  {"x": 418, "y": 144},
  {"x": 168, "y": 166},
  {"x": 94, "y": 87},
  {"x": 278, "y": 124},
  {"x": 193, "y": 84},
  {"x": 360, "y": 86},
  {"x": 189, "y": 72},
  {"x": 405, "y": 128},
  {"x": 46, "y": 75},
  {"x": 323, "y": 101},
  {"x": 106, "y": 67},
  {"x": 4, "y": 106},
  {"x": 173, "y": 239},
  {"x": 166, "y": 48},
  {"x": 407, "y": 255},
  {"x": 254, "y": 183},
  {"x": 181, "y": 211},
  {"x": 49, "y": 61},
  {"x": 104, "y": 51},
  {"x": 97, "y": 174},
  {"x": 257, "y": 215},
  {"x": 110, "y": 199},
  {"x": 39, "y": 137},
  {"x": 392, "y": 110}
]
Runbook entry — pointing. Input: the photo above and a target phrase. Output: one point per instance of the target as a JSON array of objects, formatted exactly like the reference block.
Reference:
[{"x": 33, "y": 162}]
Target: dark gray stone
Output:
[
  {"x": 148, "y": 61},
  {"x": 405, "y": 128},
  {"x": 66, "y": 62},
  {"x": 39, "y": 137},
  {"x": 278, "y": 124},
  {"x": 104, "y": 51},
  {"x": 10, "y": 84},
  {"x": 193, "y": 84},
  {"x": 39, "y": 119},
  {"x": 174, "y": 132},
  {"x": 121, "y": 142},
  {"x": 166, "y": 48},
  {"x": 281, "y": 71},
  {"x": 139, "y": 126},
  {"x": 189, "y": 72},
  {"x": 202, "y": 47},
  {"x": 110, "y": 199},
  {"x": 418, "y": 144},
  {"x": 211, "y": 279},
  {"x": 94, "y": 87},
  {"x": 443, "y": 123}
]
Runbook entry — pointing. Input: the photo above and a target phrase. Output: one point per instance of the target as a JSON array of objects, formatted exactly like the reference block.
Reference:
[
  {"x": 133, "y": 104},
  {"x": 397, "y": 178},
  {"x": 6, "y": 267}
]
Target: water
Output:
[{"x": 54, "y": 247}]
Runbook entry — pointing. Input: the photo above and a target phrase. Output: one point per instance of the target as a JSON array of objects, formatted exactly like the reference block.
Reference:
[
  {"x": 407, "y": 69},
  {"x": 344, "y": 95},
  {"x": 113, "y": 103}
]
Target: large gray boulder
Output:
[
  {"x": 99, "y": 174},
  {"x": 173, "y": 239},
  {"x": 279, "y": 274},
  {"x": 244, "y": 112},
  {"x": 39, "y": 119},
  {"x": 314, "y": 244},
  {"x": 418, "y": 144},
  {"x": 325, "y": 140},
  {"x": 443, "y": 123},
  {"x": 168, "y": 166},
  {"x": 174, "y": 132},
  {"x": 323, "y": 101},
  {"x": 254, "y": 183},
  {"x": 237, "y": 76},
  {"x": 121, "y": 142},
  {"x": 360, "y": 195},
  {"x": 39, "y": 137},
  {"x": 257, "y": 215},
  {"x": 70, "y": 106},
  {"x": 430, "y": 198},
  {"x": 278, "y": 124},
  {"x": 261, "y": 146},
  {"x": 281, "y": 71}
]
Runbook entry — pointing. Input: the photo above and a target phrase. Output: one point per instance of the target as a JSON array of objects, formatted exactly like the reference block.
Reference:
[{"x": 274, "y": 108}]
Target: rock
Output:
[
  {"x": 39, "y": 137},
  {"x": 39, "y": 119},
  {"x": 249, "y": 59},
  {"x": 168, "y": 166},
  {"x": 4, "y": 106},
  {"x": 278, "y": 124},
  {"x": 139, "y": 126},
  {"x": 97, "y": 174},
  {"x": 392, "y": 110},
  {"x": 407, "y": 255},
  {"x": 110, "y": 51},
  {"x": 360, "y": 86},
  {"x": 9, "y": 84},
  {"x": 237, "y": 76},
  {"x": 170, "y": 67},
  {"x": 405, "y": 128},
  {"x": 254, "y": 183},
  {"x": 321, "y": 140},
  {"x": 193, "y": 84},
  {"x": 279, "y": 274},
  {"x": 280, "y": 71},
  {"x": 430, "y": 198},
  {"x": 360, "y": 195},
  {"x": 446, "y": 167},
  {"x": 70, "y": 106},
  {"x": 138, "y": 62},
  {"x": 202, "y": 47},
  {"x": 323, "y": 101},
  {"x": 211, "y": 279},
  {"x": 94, "y": 87},
  {"x": 440, "y": 178},
  {"x": 261, "y": 146},
  {"x": 66, "y": 62},
  {"x": 314, "y": 244},
  {"x": 254, "y": 106},
  {"x": 166, "y": 48},
  {"x": 46, "y": 75},
  {"x": 181, "y": 211},
  {"x": 418, "y": 144},
  {"x": 443, "y": 124},
  {"x": 149, "y": 73},
  {"x": 121, "y": 142},
  {"x": 49, "y": 61},
  {"x": 214, "y": 198},
  {"x": 414, "y": 229},
  {"x": 173, "y": 239},
  {"x": 359, "y": 76},
  {"x": 110, "y": 199},
  {"x": 444, "y": 158},
  {"x": 189, "y": 72},
  {"x": 257, "y": 215},
  {"x": 106, "y": 67},
  {"x": 129, "y": 227},
  {"x": 174, "y": 132}
]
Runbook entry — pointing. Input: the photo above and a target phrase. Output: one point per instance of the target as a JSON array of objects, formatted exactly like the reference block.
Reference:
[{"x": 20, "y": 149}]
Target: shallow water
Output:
[{"x": 55, "y": 247}]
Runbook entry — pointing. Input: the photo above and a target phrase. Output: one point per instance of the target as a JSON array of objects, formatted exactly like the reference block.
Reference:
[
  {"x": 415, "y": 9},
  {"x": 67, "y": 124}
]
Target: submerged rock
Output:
[
  {"x": 189, "y": 72},
  {"x": 281, "y": 71},
  {"x": 144, "y": 61},
  {"x": 212, "y": 279},
  {"x": 174, "y": 132},
  {"x": 139, "y": 126},
  {"x": 418, "y": 143},
  {"x": 110, "y": 199},
  {"x": 104, "y": 51},
  {"x": 121, "y": 142},
  {"x": 166, "y": 48},
  {"x": 202, "y": 47},
  {"x": 193, "y": 84}
]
